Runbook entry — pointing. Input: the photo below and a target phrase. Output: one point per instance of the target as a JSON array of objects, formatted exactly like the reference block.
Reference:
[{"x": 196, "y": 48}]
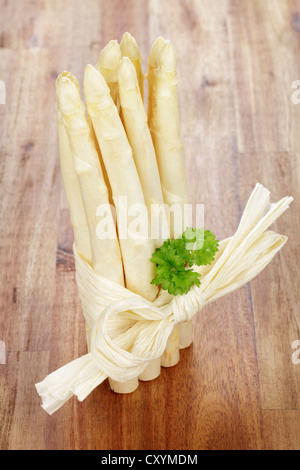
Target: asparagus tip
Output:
[
  {"x": 110, "y": 56},
  {"x": 167, "y": 57},
  {"x": 129, "y": 47},
  {"x": 127, "y": 74},
  {"x": 158, "y": 43},
  {"x": 67, "y": 92},
  {"x": 94, "y": 83}
]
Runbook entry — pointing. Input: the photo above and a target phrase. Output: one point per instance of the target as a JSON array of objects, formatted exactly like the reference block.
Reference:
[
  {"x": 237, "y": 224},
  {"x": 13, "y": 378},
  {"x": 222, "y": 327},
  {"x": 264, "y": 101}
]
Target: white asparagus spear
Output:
[
  {"x": 130, "y": 49},
  {"x": 125, "y": 183},
  {"x": 135, "y": 121},
  {"x": 152, "y": 66},
  {"x": 108, "y": 64},
  {"x": 103, "y": 169},
  {"x": 73, "y": 194},
  {"x": 153, "y": 369},
  {"x": 164, "y": 123},
  {"x": 171, "y": 355},
  {"x": 186, "y": 334},
  {"x": 165, "y": 129},
  {"x": 105, "y": 252}
]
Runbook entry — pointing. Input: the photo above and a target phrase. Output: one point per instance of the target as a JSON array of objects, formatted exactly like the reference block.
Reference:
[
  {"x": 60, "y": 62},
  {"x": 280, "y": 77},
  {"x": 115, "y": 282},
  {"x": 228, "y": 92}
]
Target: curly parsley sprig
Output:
[{"x": 175, "y": 258}]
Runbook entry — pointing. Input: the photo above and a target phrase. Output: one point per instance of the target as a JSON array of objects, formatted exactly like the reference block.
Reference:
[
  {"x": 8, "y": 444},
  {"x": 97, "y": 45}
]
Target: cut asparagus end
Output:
[
  {"x": 124, "y": 387},
  {"x": 152, "y": 371}
]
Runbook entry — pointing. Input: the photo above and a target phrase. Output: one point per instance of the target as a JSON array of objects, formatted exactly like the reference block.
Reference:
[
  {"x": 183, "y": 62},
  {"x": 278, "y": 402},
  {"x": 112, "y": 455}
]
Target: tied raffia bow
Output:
[{"x": 127, "y": 332}]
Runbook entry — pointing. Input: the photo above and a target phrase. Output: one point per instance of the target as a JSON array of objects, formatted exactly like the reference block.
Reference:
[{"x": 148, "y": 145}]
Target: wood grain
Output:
[{"x": 236, "y": 387}]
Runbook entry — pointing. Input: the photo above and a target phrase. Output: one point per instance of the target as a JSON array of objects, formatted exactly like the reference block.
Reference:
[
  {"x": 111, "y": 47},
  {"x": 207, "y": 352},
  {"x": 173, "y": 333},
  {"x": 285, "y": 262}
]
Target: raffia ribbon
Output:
[{"x": 128, "y": 332}]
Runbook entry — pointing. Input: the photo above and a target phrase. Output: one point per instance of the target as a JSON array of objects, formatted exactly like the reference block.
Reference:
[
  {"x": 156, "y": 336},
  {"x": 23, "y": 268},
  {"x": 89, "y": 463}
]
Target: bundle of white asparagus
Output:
[
  {"x": 110, "y": 155},
  {"x": 113, "y": 153}
]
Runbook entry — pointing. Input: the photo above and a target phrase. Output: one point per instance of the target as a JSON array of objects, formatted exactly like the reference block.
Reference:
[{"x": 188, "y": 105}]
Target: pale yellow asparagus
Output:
[
  {"x": 125, "y": 183},
  {"x": 152, "y": 66},
  {"x": 135, "y": 121},
  {"x": 171, "y": 355},
  {"x": 103, "y": 169},
  {"x": 73, "y": 194},
  {"x": 186, "y": 336},
  {"x": 152, "y": 371},
  {"x": 106, "y": 252},
  {"x": 108, "y": 64},
  {"x": 130, "y": 49},
  {"x": 164, "y": 123},
  {"x": 119, "y": 387}
]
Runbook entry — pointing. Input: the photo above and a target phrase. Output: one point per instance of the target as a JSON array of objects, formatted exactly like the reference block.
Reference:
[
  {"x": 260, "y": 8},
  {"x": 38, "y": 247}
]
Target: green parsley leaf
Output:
[
  {"x": 207, "y": 253},
  {"x": 174, "y": 258},
  {"x": 194, "y": 238}
]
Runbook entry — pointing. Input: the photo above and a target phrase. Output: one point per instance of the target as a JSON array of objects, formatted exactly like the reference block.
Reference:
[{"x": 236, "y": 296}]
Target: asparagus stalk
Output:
[
  {"x": 73, "y": 194},
  {"x": 152, "y": 66},
  {"x": 171, "y": 355},
  {"x": 135, "y": 121},
  {"x": 165, "y": 128},
  {"x": 164, "y": 123},
  {"x": 103, "y": 169},
  {"x": 108, "y": 64},
  {"x": 186, "y": 335},
  {"x": 105, "y": 252},
  {"x": 123, "y": 176},
  {"x": 130, "y": 49}
]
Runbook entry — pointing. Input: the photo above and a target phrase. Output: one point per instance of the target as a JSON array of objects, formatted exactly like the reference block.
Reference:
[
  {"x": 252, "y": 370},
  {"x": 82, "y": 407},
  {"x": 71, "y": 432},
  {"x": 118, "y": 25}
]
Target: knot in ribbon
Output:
[
  {"x": 185, "y": 307},
  {"x": 128, "y": 332}
]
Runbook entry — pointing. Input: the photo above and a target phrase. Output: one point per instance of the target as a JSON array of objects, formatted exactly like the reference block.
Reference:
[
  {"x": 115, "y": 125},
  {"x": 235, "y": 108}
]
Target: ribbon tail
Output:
[{"x": 80, "y": 377}]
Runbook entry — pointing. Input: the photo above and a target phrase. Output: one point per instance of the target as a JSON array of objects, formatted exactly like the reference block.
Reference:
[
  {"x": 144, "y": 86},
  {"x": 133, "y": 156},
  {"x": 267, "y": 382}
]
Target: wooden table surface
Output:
[{"x": 236, "y": 387}]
